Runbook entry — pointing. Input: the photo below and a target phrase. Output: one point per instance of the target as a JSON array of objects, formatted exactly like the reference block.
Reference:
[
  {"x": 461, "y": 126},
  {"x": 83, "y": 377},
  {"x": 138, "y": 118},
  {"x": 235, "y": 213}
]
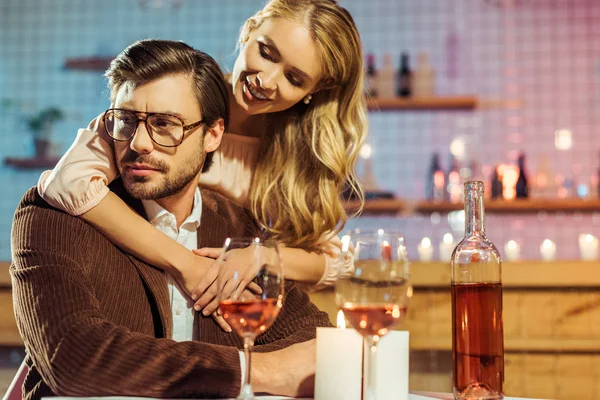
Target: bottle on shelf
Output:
[
  {"x": 371, "y": 76},
  {"x": 477, "y": 327},
  {"x": 386, "y": 78},
  {"x": 496, "y": 184},
  {"x": 423, "y": 77},
  {"x": 435, "y": 180},
  {"x": 522, "y": 187},
  {"x": 453, "y": 192},
  {"x": 404, "y": 77},
  {"x": 544, "y": 184}
]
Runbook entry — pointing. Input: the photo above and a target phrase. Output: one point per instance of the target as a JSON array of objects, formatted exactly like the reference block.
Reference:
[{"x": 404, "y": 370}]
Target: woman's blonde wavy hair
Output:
[{"x": 309, "y": 152}]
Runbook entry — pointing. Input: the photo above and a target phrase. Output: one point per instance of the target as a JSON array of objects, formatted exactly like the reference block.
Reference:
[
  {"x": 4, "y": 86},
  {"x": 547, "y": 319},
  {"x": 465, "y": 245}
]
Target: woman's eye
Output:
[
  {"x": 292, "y": 79},
  {"x": 263, "y": 52}
]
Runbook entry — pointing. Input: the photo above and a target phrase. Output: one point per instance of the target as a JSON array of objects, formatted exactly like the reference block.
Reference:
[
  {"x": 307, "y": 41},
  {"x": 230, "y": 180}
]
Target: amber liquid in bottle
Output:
[{"x": 477, "y": 326}]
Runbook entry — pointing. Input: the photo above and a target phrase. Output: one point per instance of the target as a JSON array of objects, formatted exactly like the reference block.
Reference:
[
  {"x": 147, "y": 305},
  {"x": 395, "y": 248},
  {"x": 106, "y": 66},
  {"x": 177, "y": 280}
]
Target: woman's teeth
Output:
[{"x": 255, "y": 93}]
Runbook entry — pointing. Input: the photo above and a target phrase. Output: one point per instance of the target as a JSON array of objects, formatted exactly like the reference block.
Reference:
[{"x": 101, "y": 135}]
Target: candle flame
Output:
[
  {"x": 547, "y": 243},
  {"x": 341, "y": 321},
  {"x": 511, "y": 244},
  {"x": 426, "y": 242},
  {"x": 586, "y": 238},
  {"x": 448, "y": 239}
]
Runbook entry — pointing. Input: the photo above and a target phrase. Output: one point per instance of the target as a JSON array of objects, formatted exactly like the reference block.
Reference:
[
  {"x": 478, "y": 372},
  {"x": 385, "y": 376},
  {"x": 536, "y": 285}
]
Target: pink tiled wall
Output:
[{"x": 543, "y": 53}]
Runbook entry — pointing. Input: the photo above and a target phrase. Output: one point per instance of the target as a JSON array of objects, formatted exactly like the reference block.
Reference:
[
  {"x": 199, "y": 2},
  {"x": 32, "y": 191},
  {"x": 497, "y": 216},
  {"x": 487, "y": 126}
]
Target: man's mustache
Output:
[{"x": 132, "y": 157}]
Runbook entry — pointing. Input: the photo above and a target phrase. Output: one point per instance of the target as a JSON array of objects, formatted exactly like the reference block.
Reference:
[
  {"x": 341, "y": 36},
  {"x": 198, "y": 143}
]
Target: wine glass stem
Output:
[
  {"x": 247, "y": 392},
  {"x": 370, "y": 372}
]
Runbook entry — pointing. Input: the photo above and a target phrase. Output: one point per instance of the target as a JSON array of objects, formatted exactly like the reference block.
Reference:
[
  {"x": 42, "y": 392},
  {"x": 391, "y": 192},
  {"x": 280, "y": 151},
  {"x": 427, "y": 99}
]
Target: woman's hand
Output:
[
  {"x": 239, "y": 261},
  {"x": 193, "y": 273}
]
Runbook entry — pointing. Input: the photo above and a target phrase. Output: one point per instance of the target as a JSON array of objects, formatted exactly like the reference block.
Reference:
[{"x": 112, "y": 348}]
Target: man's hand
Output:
[{"x": 286, "y": 372}]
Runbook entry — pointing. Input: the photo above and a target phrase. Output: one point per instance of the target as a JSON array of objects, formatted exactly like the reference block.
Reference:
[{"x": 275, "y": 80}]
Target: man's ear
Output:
[{"x": 213, "y": 136}]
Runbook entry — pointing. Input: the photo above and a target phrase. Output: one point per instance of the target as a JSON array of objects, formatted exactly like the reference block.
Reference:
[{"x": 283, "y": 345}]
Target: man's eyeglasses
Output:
[{"x": 164, "y": 129}]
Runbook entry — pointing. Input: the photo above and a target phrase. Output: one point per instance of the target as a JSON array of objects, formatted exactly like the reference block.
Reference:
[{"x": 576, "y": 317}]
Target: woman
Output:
[{"x": 298, "y": 120}]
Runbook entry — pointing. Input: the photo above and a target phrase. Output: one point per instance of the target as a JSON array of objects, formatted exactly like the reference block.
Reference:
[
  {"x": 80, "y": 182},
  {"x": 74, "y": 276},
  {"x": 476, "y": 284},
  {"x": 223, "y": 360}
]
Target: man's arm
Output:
[
  {"x": 290, "y": 369},
  {"x": 77, "y": 351}
]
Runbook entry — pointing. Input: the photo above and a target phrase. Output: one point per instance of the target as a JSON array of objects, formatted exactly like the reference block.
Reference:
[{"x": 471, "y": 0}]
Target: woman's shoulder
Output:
[
  {"x": 234, "y": 138},
  {"x": 239, "y": 146}
]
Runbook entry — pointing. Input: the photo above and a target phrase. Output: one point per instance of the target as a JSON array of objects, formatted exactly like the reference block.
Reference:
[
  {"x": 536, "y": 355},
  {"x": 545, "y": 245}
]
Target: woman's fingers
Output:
[
  {"x": 211, "y": 252},
  {"x": 221, "y": 321}
]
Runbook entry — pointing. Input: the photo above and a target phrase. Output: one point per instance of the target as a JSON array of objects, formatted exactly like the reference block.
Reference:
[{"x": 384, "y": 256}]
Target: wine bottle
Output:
[
  {"x": 404, "y": 77},
  {"x": 435, "y": 180},
  {"x": 386, "y": 79},
  {"x": 496, "y": 184},
  {"x": 453, "y": 188},
  {"x": 521, "y": 187},
  {"x": 477, "y": 329},
  {"x": 423, "y": 77},
  {"x": 371, "y": 76}
]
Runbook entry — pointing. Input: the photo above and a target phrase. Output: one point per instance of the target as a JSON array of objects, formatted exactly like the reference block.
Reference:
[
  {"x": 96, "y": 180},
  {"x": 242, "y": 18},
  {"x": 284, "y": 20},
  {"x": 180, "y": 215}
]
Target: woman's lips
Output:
[{"x": 252, "y": 93}]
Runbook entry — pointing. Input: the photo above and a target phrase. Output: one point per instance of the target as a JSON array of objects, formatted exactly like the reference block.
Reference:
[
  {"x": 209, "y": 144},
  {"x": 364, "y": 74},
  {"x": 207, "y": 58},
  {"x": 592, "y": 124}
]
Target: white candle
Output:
[
  {"x": 512, "y": 251},
  {"x": 446, "y": 247},
  {"x": 588, "y": 247},
  {"x": 339, "y": 362},
  {"x": 548, "y": 250},
  {"x": 425, "y": 250},
  {"x": 391, "y": 380}
]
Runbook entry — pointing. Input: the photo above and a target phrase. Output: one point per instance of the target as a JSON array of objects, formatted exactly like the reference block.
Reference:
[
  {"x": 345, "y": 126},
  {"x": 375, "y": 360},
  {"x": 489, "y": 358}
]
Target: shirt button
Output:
[{"x": 178, "y": 311}]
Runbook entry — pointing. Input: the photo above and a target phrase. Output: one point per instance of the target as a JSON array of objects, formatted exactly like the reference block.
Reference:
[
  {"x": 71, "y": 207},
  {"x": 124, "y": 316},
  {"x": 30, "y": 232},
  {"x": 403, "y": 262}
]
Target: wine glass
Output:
[
  {"x": 374, "y": 298},
  {"x": 250, "y": 314}
]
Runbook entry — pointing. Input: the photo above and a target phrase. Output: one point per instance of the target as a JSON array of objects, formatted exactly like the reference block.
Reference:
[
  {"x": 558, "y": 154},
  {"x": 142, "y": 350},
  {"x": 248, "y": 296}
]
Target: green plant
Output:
[{"x": 40, "y": 125}]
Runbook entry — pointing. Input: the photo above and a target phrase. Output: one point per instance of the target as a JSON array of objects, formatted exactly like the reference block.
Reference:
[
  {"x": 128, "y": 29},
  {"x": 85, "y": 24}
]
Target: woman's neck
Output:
[{"x": 242, "y": 123}]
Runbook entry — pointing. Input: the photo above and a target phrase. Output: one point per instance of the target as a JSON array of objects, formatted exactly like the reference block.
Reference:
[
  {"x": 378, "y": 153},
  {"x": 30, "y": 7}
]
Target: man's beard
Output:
[{"x": 167, "y": 182}]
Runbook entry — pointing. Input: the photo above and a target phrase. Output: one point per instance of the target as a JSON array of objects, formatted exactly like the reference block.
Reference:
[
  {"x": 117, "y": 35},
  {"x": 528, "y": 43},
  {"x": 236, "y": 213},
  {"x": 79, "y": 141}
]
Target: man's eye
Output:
[
  {"x": 163, "y": 123},
  {"x": 126, "y": 119}
]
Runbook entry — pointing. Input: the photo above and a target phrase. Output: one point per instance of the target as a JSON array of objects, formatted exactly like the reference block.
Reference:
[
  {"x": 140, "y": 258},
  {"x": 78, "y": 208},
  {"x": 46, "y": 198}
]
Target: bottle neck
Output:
[{"x": 474, "y": 212}]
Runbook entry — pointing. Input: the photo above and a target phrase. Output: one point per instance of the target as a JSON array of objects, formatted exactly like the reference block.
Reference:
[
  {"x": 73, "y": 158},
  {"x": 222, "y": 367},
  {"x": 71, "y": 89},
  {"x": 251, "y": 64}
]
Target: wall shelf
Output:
[
  {"x": 518, "y": 206},
  {"x": 379, "y": 206},
  {"x": 88, "y": 63},
  {"x": 101, "y": 64},
  {"x": 425, "y": 103},
  {"x": 32, "y": 162}
]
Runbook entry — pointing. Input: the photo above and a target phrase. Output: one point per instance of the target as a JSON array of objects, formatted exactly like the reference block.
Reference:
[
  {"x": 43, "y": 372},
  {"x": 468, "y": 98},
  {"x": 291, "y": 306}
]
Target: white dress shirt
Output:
[
  {"x": 182, "y": 307},
  {"x": 185, "y": 325}
]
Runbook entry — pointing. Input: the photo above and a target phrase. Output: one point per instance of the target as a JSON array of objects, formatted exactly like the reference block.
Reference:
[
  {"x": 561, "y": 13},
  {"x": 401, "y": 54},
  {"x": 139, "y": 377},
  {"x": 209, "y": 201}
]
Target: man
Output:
[{"x": 97, "y": 321}]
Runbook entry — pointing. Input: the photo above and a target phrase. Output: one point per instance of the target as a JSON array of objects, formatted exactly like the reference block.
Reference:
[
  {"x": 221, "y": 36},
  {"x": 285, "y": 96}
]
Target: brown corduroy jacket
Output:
[{"x": 96, "y": 321}]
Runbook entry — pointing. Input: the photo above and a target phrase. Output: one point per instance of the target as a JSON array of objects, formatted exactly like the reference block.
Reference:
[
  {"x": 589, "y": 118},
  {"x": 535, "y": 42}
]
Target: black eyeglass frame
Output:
[{"x": 148, "y": 115}]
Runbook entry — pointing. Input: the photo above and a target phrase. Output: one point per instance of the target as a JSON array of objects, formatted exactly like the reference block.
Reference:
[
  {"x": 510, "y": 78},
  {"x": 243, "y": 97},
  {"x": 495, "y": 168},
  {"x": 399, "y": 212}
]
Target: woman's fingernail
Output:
[
  {"x": 197, "y": 307},
  {"x": 205, "y": 312},
  {"x": 194, "y": 297},
  {"x": 228, "y": 330}
]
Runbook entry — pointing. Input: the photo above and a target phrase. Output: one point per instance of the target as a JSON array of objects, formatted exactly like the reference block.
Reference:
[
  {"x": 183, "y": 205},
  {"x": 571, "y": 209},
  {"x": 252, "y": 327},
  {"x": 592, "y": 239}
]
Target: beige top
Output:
[{"x": 80, "y": 181}]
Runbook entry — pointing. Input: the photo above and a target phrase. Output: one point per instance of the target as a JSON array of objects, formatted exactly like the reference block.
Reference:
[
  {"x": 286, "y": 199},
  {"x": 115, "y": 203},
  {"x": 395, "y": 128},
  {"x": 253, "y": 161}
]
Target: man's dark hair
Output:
[{"x": 151, "y": 59}]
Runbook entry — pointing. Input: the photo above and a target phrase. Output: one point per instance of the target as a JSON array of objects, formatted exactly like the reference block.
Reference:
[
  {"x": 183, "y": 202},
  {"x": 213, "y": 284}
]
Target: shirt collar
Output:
[{"x": 156, "y": 214}]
